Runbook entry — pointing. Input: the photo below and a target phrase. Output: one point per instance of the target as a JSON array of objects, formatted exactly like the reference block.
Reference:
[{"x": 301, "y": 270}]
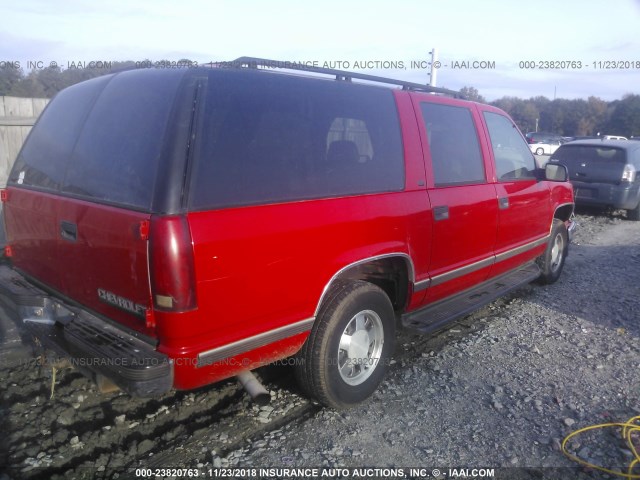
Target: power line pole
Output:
[{"x": 434, "y": 68}]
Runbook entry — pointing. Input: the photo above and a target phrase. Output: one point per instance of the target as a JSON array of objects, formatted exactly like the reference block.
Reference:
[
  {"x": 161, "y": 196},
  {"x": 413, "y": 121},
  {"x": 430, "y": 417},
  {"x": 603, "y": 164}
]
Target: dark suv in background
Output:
[{"x": 603, "y": 173}]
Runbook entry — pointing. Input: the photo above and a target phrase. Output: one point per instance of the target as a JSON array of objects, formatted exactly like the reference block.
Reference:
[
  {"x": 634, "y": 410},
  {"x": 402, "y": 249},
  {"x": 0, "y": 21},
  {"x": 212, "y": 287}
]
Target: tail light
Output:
[
  {"x": 171, "y": 264},
  {"x": 629, "y": 173}
]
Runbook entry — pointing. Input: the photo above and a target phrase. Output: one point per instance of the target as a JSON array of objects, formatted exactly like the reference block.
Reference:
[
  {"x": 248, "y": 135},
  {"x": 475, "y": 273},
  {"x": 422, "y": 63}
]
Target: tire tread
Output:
[
  {"x": 312, "y": 375},
  {"x": 547, "y": 277}
]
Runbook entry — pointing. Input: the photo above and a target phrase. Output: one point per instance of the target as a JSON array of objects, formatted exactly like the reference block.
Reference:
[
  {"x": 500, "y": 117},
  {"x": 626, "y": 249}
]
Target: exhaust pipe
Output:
[{"x": 252, "y": 385}]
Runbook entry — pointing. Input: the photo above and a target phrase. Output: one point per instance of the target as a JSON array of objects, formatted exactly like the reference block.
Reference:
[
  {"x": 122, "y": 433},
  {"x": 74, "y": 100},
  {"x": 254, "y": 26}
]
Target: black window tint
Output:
[
  {"x": 513, "y": 157},
  {"x": 273, "y": 138},
  {"x": 44, "y": 157},
  {"x": 590, "y": 152},
  {"x": 117, "y": 155},
  {"x": 453, "y": 142}
]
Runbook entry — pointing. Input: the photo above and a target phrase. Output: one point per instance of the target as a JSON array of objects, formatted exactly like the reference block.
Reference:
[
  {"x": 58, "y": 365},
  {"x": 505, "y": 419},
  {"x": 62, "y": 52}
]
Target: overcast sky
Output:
[{"x": 499, "y": 31}]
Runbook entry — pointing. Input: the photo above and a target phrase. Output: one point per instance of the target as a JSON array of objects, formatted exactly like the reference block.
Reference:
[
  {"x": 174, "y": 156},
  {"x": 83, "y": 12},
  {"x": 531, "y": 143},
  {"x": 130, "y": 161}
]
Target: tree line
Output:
[
  {"x": 571, "y": 118},
  {"x": 576, "y": 117},
  {"x": 46, "y": 82}
]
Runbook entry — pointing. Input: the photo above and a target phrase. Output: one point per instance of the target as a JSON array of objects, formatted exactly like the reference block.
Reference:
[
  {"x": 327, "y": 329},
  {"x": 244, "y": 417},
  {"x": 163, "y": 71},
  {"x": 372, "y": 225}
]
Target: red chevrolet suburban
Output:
[{"x": 172, "y": 228}]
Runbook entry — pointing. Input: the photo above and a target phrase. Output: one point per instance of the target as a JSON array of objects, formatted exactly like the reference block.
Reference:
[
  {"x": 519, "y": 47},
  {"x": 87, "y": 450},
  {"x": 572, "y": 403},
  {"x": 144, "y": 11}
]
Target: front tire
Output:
[
  {"x": 349, "y": 349},
  {"x": 552, "y": 262}
]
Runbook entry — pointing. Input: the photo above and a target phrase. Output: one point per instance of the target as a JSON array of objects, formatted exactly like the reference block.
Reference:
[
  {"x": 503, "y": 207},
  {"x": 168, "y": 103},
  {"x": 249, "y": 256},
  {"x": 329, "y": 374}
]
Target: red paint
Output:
[{"x": 107, "y": 253}]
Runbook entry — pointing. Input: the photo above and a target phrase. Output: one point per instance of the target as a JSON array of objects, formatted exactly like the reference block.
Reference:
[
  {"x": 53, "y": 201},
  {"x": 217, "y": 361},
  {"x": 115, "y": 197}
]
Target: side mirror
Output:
[{"x": 556, "y": 172}]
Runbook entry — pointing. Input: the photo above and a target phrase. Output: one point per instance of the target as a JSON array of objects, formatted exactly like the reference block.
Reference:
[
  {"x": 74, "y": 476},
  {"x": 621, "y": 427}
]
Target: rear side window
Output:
[
  {"x": 43, "y": 159},
  {"x": 455, "y": 151},
  {"x": 513, "y": 157},
  {"x": 273, "y": 138},
  {"x": 117, "y": 154}
]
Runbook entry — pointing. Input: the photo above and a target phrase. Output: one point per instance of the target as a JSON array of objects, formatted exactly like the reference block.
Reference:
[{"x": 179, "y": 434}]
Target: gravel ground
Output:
[{"x": 500, "y": 388}]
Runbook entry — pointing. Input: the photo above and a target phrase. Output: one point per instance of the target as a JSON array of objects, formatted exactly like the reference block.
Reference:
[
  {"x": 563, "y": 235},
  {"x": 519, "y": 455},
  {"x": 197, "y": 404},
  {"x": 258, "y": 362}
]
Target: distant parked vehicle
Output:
[
  {"x": 542, "y": 137},
  {"x": 546, "y": 148},
  {"x": 603, "y": 173},
  {"x": 592, "y": 137},
  {"x": 614, "y": 137}
]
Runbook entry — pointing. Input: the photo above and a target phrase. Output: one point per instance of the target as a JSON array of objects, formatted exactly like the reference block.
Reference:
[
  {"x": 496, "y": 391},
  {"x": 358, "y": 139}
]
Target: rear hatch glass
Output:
[{"x": 592, "y": 163}]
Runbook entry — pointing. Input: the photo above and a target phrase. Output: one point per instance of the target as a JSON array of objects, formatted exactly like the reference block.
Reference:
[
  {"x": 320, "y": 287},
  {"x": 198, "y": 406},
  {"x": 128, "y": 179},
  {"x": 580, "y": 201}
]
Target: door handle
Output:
[
  {"x": 441, "y": 213},
  {"x": 503, "y": 203},
  {"x": 69, "y": 231}
]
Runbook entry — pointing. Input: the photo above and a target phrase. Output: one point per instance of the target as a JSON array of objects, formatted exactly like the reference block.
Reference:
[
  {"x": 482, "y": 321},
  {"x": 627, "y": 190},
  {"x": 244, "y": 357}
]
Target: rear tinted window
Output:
[
  {"x": 453, "y": 143},
  {"x": 117, "y": 154},
  {"x": 273, "y": 138},
  {"x": 102, "y": 139},
  {"x": 43, "y": 159},
  {"x": 584, "y": 153}
]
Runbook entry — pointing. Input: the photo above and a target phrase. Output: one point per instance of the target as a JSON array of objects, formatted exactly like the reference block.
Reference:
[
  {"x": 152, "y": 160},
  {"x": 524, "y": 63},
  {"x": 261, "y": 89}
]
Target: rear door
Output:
[
  {"x": 109, "y": 187},
  {"x": 32, "y": 208},
  {"x": 104, "y": 196},
  {"x": 465, "y": 211}
]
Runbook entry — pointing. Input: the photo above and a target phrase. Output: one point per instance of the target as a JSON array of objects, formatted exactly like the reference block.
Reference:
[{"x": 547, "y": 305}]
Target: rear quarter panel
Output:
[
  {"x": 259, "y": 268},
  {"x": 262, "y": 267}
]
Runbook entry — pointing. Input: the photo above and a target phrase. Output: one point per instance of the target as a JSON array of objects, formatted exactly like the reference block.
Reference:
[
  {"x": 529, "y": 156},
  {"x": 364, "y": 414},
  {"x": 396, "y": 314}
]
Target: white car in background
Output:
[{"x": 545, "y": 148}]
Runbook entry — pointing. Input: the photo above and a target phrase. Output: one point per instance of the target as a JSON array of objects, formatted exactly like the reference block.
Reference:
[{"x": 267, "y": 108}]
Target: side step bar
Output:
[{"x": 437, "y": 315}]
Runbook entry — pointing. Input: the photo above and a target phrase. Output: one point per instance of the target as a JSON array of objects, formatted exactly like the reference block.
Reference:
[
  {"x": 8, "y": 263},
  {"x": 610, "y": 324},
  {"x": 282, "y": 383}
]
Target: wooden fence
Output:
[{"x": 17, "y": 116}]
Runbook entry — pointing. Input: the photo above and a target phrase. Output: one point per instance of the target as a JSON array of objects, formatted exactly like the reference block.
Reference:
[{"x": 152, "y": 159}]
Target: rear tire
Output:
[
  {"x": 539, "y": 151},
  {"x": 634, "y": 213},
  {"x": 349, "y": 349},
  {"x": 552, "y": 262}
]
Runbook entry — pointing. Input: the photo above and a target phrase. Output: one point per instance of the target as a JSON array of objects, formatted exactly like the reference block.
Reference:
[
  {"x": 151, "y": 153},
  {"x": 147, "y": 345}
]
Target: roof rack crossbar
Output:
[{"x": 342, "y": 75}]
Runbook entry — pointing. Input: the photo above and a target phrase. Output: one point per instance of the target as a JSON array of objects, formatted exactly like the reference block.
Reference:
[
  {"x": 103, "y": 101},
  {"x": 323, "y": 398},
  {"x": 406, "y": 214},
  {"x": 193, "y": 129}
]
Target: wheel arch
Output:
[
  {"x": 563, "y": 212},
  {"x": 392, "y": 272}
]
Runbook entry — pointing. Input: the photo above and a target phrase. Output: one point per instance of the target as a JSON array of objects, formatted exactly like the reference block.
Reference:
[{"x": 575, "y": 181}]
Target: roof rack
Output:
[{"x": 342, "y": 75}]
